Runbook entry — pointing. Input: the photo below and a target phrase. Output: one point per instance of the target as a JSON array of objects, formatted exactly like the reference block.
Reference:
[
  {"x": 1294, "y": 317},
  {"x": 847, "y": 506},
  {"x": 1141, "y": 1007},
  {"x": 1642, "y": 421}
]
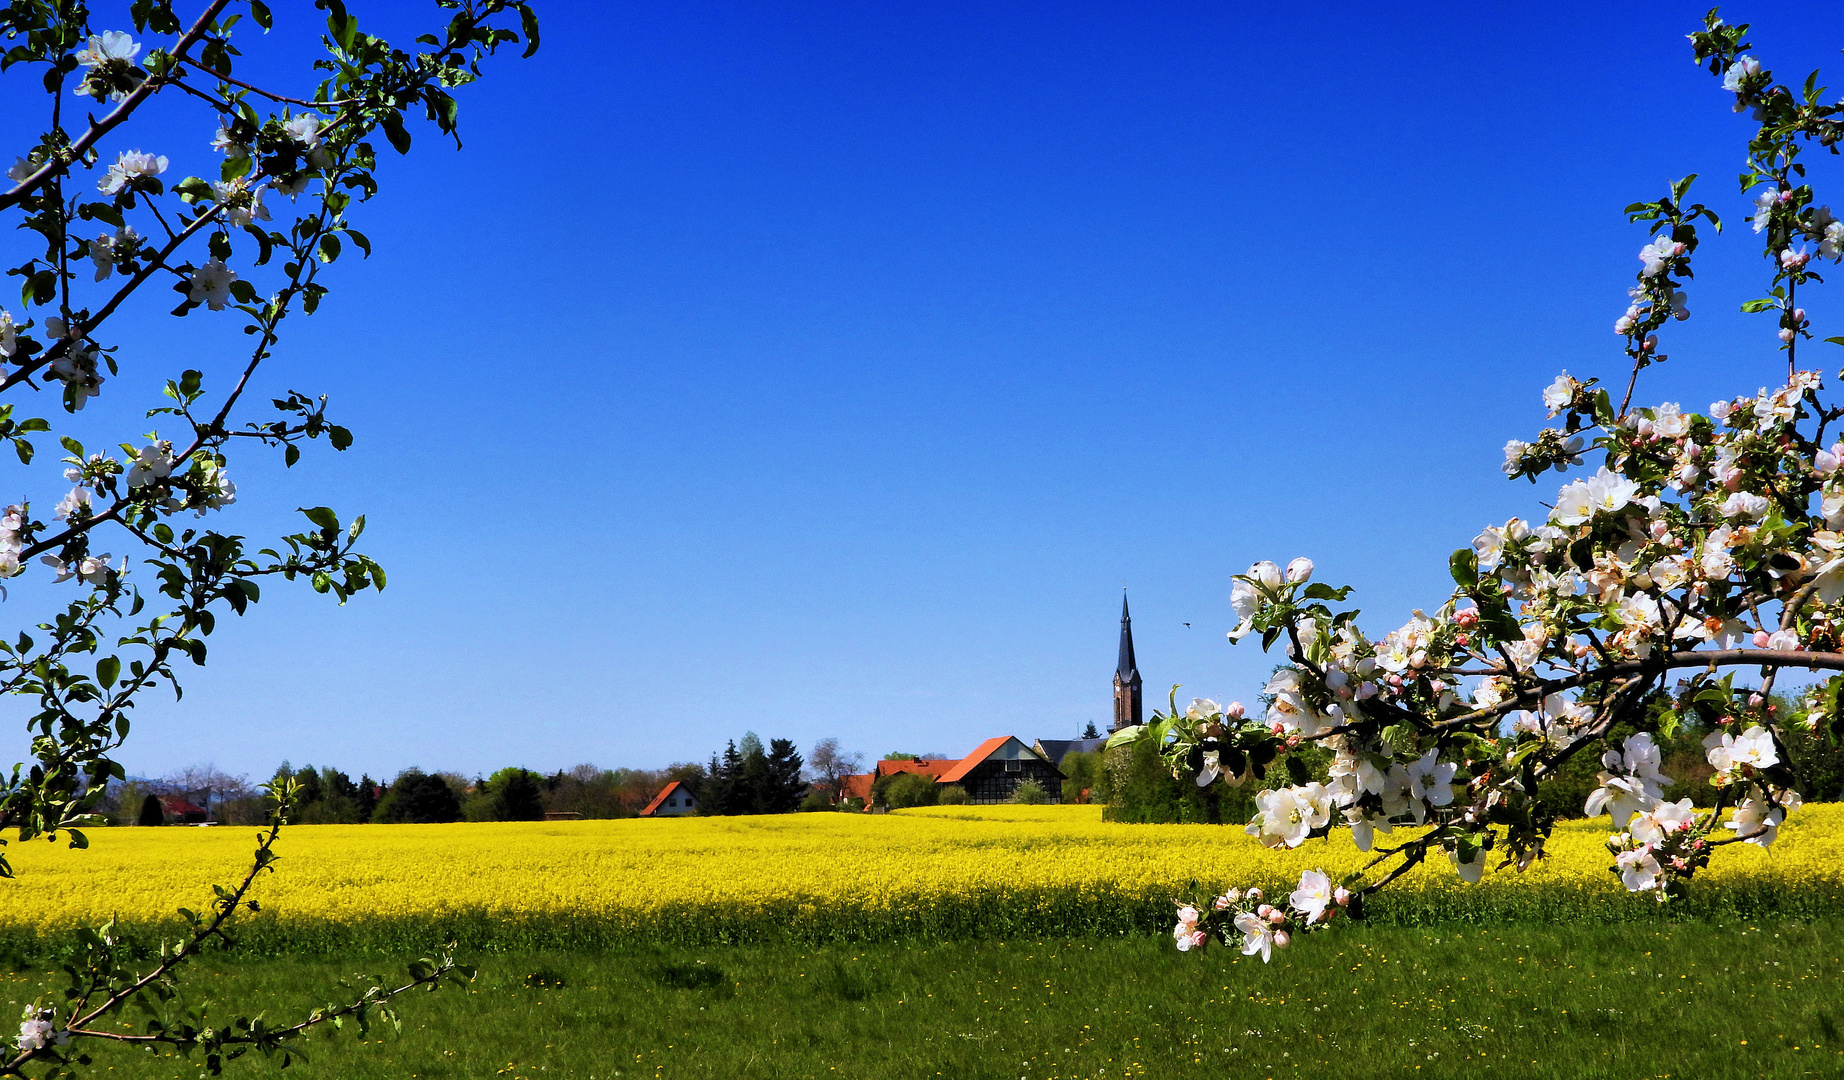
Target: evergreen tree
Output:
[
  {"x": 416, "y": 797},
  {"x": 367, "y": 797},
  {"x": 517, "y": 795},
  {"x": 151, "y": 813},
  {"x": 752, "y": 794},
  {"x": 1090, "y": 732},
  {"x": 786, "y": 788},
  {"x": 721, "y": 794}
]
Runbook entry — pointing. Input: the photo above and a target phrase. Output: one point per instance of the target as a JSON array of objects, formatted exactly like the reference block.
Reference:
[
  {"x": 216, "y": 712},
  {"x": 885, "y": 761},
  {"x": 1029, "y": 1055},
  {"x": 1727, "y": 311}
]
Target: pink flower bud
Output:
[
  {"x": 1461, "y": 639},
  {"x": 1235, "y": 710},
  {"x": 1467, "y": 617},
  {"x": 1253, "y": 894},
  {"x": 1277, "y": 917},
  {"x": 1282, "y": 939},
  {"x": 1341, "y": 896},
  {"x": 1437, "y": 686},
  {"x": 1761, "y": 637},
  {"x": 1265, "y": 910},
  {"x": 1754, "y": 700},
  {"x": 1799, "y": 316},
  {"x": 1786, "y": 335},
  {"x": 1659, "y": 529},
  {"x": 1650, "y": 343}
]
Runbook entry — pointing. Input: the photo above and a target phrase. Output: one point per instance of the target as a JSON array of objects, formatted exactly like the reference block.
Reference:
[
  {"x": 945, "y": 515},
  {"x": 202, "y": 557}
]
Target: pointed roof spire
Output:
[{"x": 1127, "y": 666}]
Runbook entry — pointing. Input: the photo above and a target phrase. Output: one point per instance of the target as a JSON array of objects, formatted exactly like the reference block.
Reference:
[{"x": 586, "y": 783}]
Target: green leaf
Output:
[
  {"x": 1465, "y": 568},
  {"x": 392, "y": 122},
  {"x": 528, "y": 21},
  {"x": 108, "y": 669},
  {"x": 322, "y": 516}
]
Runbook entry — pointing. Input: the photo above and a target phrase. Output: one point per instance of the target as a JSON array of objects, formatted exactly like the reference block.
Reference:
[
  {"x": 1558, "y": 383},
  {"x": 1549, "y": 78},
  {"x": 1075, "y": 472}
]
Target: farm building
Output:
[
  {"x": 673, "y": 799},
  {"x": 997, "y": 766},
  {"x": 178, "y": 809},
  {"x": 990, "y": 774}
]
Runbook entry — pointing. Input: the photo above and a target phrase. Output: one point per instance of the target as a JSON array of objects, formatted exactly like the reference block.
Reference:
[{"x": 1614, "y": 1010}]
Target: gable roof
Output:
[
  {"x": 177, "y": 804},
  {"x": 660, "y": 799},
  {"x": 980, "y": 753},
  {"x": 856, "y": 786},
  {"x": 926, "y": 766},
  {"x": 1058, "y": 749}
]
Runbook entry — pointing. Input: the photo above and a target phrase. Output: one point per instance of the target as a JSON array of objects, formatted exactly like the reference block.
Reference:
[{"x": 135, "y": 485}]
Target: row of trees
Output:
[{"x": 747, "y": 778}]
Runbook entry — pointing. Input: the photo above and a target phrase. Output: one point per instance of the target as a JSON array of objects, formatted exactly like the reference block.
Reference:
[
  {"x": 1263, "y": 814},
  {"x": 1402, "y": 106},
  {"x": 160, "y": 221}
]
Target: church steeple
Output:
[{"x": 1127, "y": 712}]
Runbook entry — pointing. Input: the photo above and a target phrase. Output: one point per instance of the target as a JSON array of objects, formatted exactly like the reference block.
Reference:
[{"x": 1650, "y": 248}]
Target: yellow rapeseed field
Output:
[{"x": 943, "y": 871}]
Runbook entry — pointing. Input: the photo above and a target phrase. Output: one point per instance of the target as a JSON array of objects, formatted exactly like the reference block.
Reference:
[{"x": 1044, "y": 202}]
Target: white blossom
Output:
[
  {"x": 1657, "y": 255},
  {"x": 130, "y": 165},
  {"x": 1745, "y": 68},
  {"x": 1557, "y": 395},
  {"x": 154, "y": 462},
  {"x": 1313, "y": 896},
  {"x": 1639, "y": 869},
  {"x": 1257, "y": 935},
  {"x": 1655, "y": 825},
  {"x": 1727, "y": 752},
  {"x": 304, "y": 129},
  {"x": 211, "y": 285},
  {"x": 111, "y": 46},
  {"x": 1764, "y": 203},
  {"x": 109, "y": 249}
]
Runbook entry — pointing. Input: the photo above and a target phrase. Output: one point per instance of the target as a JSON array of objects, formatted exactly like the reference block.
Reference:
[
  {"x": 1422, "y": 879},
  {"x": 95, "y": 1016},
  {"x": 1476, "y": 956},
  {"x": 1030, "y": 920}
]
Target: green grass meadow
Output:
[{"x": 1692, "y": 999}]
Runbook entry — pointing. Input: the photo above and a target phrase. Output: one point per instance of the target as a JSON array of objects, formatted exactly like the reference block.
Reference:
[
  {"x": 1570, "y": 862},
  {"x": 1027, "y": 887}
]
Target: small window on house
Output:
[
  {"x": 1013, "y": 765},
  {"x": 674, "y": 801}
]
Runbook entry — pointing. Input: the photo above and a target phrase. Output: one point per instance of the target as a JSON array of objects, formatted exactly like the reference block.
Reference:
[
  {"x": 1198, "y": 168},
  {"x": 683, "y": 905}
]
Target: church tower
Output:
[{"x": 1126, "y": 676}]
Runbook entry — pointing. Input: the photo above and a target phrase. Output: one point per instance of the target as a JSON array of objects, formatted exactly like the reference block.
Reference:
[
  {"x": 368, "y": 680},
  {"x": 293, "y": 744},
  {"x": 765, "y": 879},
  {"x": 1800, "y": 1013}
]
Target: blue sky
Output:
[{"x": 829, "y": 369}]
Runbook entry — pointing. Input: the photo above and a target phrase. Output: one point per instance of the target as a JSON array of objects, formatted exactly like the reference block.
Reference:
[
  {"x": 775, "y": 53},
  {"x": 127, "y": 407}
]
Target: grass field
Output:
[
  {"x": 1694, "y": 1000},
  {"x": 960, "y": 873}
]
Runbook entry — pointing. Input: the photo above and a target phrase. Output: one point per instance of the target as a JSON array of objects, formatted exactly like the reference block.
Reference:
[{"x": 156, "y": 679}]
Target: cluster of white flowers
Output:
[
  {"x": 12, "y": 538},
  {"x": 242, "y": 203},
  {"x": 210, "y": 285},
  {"x": 130, "y": 166},
  {"x": 1263, "y": 927},
  {"x": 37, "y": 1031},
  {"x": 107, "y": 56},
  {"x": 77, "y": 368},
  {"x": 111, "y": 250},
  {"x": 90, "y": 569}
]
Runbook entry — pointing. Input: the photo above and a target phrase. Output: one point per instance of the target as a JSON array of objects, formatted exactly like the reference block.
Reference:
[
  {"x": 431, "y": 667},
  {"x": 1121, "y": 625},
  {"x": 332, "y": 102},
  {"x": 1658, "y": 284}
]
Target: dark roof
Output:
[
  {"x": 1126, "y": 667},
  {"x": 177, "y": 804},
  {"x": 1057, "y": 749}
]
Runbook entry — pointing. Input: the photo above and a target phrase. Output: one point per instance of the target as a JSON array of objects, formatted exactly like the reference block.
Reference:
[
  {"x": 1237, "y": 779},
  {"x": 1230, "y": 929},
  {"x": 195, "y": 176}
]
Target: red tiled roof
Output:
[
  {"x": 173, "y": 804},
  {"x": 660, "y": 799},
  {"x": 980, "y": 753},
  {"x": 857, "y": 786},
  {"x": 926, "y": 766}
]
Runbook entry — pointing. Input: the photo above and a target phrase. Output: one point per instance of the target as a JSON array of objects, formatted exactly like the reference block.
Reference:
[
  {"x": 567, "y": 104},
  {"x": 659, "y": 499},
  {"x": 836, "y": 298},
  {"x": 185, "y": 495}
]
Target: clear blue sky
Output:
[{"x": 827, "y": 369}]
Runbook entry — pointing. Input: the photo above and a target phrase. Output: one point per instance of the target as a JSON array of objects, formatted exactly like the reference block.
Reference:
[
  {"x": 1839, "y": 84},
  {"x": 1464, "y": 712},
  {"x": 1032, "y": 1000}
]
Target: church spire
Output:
[
  {"x": 1127, "y": 708},
  {"x": 1126, "y": 667}
]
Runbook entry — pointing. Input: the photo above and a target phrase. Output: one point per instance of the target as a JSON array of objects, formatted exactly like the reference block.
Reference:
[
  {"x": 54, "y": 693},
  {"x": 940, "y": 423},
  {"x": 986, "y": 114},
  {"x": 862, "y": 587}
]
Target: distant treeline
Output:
[{"x": 746, "y": 778}]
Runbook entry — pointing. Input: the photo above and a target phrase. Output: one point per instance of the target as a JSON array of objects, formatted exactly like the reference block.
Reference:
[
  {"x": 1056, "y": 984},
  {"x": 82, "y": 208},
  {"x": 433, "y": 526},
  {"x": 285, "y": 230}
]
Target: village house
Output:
[{"x": 673, "y": 800}]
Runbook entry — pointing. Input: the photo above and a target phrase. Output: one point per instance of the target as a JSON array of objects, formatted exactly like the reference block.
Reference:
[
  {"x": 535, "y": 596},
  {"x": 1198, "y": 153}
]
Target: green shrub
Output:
[
  {"x": 905, "y": 790},
  {"x": 1030, "y": 793},
  {"x": 951, "y": 795},
  {"x": 815, "y": 801}
]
